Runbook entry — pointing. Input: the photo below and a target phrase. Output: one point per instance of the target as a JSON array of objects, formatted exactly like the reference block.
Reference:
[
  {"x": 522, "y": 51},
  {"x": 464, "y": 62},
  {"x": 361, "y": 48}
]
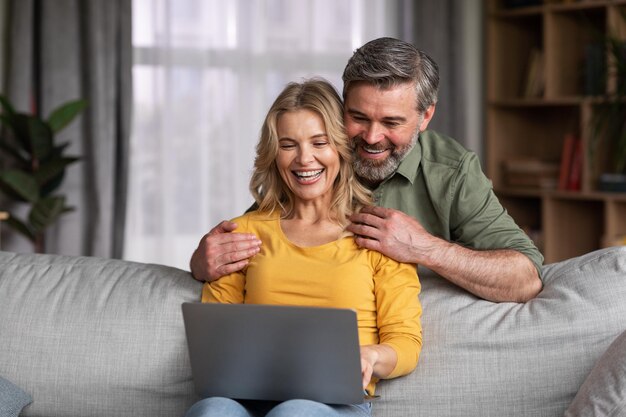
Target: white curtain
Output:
[{"x": 205, "y": 72}]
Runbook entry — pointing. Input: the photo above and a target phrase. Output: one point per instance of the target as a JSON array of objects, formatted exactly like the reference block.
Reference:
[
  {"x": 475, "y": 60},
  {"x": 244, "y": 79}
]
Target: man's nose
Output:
[{"x": 373, "y": 134}]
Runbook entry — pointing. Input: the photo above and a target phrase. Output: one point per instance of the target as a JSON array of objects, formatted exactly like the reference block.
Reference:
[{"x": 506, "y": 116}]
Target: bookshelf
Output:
[{"x": 532, "y": 121}]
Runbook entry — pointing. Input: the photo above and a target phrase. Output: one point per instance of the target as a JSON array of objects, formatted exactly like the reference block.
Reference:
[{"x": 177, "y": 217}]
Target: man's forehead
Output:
[
  {"x": 380, "y": 87},
  {"x": 374, "y": 90},
  {"x": 396, "y": 97}
]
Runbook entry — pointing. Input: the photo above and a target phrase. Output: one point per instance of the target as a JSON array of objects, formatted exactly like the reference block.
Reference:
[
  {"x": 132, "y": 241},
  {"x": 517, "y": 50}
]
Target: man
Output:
[{"x": 435, "y": 208}]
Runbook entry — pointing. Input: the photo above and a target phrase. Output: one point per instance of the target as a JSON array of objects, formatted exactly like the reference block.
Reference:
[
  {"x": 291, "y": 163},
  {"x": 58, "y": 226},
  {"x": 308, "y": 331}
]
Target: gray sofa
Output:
[{"x": 99, "y": 337}]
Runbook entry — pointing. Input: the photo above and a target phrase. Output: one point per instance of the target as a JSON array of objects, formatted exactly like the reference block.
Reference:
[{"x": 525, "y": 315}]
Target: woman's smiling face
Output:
[{"x": 307, "y": 161}]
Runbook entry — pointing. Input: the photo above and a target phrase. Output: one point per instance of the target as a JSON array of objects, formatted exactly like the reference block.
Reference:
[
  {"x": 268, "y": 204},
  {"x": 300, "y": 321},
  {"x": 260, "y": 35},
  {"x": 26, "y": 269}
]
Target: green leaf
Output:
[
  {"x": 14, "y": 152},
  {"x": 6, "y": 106},
  {"x": 40, "y": 136},
  {"x": 52, "y": 185},
  {"x": 7, "y": 120},
  {"x": 20, "y": 125},
  {"x": 45, "y": 212},
  {"x": 57, "y": 150},
  {"x": 64, "y": 114},
  {"x": 52, "y": 168},
  {"x": 20, "y": 227},
  {"x": 22, "y": 184}
]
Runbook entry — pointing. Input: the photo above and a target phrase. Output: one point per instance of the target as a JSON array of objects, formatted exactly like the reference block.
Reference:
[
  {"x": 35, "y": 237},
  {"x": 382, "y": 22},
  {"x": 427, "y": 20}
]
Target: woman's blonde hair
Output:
[{"x": 269, "y": 190}]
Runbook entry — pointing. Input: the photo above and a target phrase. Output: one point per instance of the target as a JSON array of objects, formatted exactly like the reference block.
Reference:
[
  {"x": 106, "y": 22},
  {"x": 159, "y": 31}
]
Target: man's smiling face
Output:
[{"x": 383, "y": 126}]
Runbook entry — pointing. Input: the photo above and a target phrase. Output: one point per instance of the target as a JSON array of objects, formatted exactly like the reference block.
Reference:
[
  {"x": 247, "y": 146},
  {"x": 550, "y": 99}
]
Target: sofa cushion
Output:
[
  {"x": 12, "y": 399},
  {"x": 87, "y": 336},
  {"x": 487, "y": 359},
  {"x": 604, "y": 391}
]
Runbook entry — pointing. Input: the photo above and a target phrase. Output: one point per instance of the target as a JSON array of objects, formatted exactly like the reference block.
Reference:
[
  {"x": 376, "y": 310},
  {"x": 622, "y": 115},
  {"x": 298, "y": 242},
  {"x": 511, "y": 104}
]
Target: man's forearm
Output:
[{"x": 495, "y": 275}]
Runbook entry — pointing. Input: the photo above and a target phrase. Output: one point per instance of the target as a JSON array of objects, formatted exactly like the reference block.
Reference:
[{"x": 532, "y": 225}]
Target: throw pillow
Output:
[
  {"x": 604, "y": 391},
  {"x": 12, "y": 399}
]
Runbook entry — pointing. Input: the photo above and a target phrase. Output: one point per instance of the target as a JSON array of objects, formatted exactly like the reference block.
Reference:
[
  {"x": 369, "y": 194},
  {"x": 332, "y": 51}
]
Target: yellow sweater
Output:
[{"x": 383, "y": 292}]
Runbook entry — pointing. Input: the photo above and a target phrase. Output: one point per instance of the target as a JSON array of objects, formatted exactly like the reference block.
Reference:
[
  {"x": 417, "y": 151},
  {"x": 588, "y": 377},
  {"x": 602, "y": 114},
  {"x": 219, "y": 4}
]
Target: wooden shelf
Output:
[
  {"x": 519, "y": 125},
  {"x": 497, "y": 8},
  {"x": 565, "y": 195}
]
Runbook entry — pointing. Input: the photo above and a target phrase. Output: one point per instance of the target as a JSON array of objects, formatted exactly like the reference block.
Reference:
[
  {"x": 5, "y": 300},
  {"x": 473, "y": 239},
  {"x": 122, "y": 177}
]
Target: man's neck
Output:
[{"x": 371, "y": 185}]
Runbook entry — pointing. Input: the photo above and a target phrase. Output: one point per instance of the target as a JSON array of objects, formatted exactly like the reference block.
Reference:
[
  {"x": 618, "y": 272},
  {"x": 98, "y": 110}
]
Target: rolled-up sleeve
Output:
[{"x": 478, "y": 219}]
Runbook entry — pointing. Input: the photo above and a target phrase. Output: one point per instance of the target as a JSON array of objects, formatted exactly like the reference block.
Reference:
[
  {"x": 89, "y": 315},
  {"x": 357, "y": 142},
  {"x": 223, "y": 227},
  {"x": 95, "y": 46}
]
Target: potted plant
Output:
[{"x": 34, "y": 166}]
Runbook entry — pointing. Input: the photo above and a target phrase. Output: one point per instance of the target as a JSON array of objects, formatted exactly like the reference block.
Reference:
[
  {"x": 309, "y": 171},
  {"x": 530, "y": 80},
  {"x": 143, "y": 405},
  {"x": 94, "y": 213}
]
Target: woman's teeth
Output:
[{"x": 308, "y": 175}]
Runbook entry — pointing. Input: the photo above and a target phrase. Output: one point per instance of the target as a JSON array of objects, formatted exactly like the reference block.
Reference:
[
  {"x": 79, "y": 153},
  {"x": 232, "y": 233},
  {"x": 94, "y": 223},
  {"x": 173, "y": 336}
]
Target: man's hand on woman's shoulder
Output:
[
  {"x": 221, "y": 252},
  {"x": 392, "y": 233}
]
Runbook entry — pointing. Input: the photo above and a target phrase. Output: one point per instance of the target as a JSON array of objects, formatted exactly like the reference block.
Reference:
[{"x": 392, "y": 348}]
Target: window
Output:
[{"x": 205, "y": 72}]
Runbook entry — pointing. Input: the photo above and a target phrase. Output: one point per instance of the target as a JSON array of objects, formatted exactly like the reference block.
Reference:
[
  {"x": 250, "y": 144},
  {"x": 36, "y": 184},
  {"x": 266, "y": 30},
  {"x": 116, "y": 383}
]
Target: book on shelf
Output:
[
  {"x": 570, "y": 170},
  {"x": 513, "y": 4},
  {"x": 595, "y": 69},
  {"x": 566, "y": 160},
  {"x": 576, "y": 168},
  {"x": 530, "y": 172},
  {"x": 620, "y": 72},
  {"x": 535, "y": 74}
]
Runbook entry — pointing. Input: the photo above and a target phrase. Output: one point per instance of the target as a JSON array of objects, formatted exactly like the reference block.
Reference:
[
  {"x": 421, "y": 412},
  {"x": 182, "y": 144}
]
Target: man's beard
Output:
[{"x": 373, "y": 171}]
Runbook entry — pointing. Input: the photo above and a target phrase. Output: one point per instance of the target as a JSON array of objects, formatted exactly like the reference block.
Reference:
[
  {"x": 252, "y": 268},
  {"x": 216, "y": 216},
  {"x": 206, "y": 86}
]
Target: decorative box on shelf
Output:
[{"x": 612, "y": 183}]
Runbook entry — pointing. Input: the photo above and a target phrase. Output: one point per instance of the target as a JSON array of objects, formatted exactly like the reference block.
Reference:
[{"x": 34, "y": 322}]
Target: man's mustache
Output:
[{"x": 359, "y": 142}]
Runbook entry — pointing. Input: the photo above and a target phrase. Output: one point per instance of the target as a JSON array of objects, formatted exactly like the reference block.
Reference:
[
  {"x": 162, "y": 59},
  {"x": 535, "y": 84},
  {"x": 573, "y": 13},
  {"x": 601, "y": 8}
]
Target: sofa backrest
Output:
[
  {"x": 95, "y": 337},
  {"x": 87, "y": 336},
  {"x": 486, "y": 359}
]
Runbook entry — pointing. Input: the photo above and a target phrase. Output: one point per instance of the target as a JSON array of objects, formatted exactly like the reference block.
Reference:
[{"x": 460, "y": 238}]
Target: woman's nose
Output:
[{"x": 305, "y": 155}]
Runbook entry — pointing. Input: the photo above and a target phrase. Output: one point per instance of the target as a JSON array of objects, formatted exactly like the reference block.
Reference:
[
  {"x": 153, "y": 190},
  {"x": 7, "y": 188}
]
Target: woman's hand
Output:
[
  {"x": 368, "y": 360},
  {"x": 378, "y": 361}
]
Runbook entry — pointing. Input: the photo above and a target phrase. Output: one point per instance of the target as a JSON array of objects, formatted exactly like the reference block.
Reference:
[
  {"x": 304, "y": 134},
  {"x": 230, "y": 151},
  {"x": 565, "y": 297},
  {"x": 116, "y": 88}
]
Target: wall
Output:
[
  {"x": 473, "y": 77},
  {"x": 3, "y": 42}
]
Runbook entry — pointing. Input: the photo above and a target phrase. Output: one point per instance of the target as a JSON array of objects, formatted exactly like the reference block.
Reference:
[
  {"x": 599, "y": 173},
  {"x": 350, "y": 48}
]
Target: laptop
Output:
[{"x": 278, "y": 353}]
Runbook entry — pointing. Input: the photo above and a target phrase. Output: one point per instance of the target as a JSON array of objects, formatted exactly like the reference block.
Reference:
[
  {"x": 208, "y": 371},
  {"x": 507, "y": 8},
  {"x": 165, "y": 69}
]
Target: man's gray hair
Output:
[{"x": 387, "y": 62}]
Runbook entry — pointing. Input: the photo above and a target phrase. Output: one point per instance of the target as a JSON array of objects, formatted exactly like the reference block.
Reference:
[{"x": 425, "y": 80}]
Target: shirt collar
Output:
[{"x": 409, "y": 166}]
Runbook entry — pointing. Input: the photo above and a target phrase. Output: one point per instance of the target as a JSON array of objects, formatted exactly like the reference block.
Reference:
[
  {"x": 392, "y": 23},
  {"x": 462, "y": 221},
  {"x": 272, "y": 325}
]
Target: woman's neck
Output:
[
  {"x": 309, "y": 226},
  {"x": 313, "y": 212}
]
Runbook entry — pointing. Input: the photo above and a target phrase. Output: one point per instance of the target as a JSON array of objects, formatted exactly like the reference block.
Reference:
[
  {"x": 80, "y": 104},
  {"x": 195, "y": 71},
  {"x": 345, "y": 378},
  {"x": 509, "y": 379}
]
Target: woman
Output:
[{"x": 305, "y": 189}]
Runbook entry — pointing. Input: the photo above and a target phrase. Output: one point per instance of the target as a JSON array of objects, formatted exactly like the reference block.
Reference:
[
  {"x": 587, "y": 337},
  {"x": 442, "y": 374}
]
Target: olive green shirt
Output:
[{"x": 441, "y": 184}]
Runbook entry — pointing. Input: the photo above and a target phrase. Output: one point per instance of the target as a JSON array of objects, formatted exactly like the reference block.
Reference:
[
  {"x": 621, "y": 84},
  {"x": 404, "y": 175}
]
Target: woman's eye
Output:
[
  {"x": 320, "y": 144},
  {"x": 287, "y": 146}
]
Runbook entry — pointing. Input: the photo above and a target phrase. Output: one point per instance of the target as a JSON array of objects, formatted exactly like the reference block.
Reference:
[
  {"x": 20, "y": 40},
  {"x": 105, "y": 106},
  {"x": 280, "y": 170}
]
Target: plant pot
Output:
[{"x": 612, "y": 183}]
